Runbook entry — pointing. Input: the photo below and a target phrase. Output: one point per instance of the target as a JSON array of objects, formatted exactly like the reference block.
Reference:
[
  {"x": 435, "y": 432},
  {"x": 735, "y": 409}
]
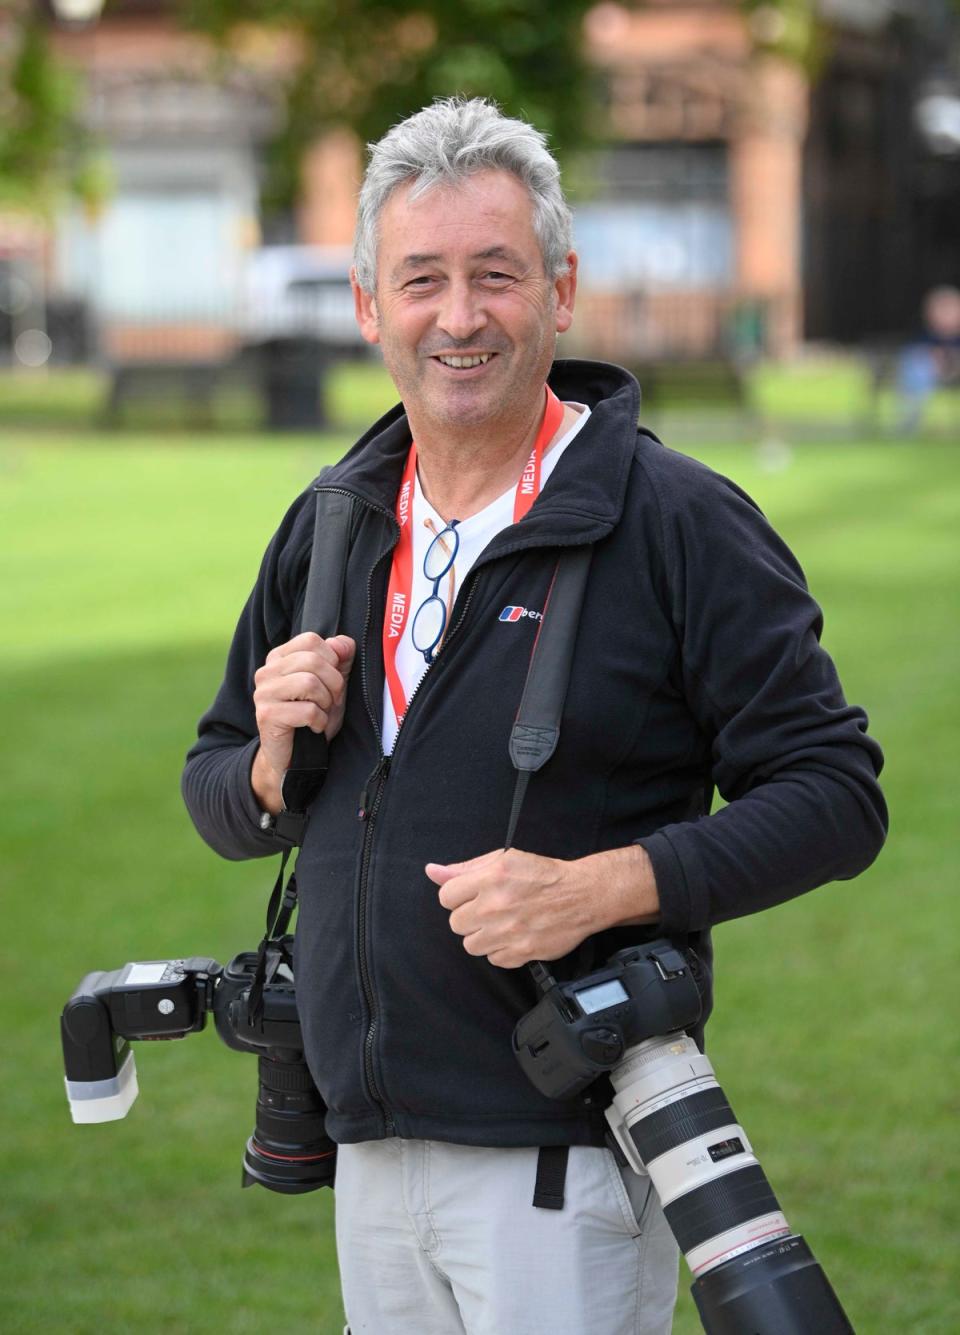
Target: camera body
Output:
[
  {"x": 582, "y": 1029},
  {"x": 289, "y": 1150}
]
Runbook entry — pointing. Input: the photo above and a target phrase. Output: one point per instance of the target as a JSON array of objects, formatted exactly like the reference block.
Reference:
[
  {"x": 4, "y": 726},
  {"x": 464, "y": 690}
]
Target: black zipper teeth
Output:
[{"x": 366, "y": 981}]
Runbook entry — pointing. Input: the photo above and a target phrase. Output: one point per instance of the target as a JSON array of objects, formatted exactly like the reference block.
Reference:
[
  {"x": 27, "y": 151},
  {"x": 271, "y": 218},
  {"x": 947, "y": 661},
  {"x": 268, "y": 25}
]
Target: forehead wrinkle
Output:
[{"x": 498, "y": 253}]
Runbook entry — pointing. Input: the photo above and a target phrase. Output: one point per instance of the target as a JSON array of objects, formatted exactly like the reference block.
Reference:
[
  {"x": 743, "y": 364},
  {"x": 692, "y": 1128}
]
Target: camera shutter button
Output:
[{"x": 604, "y": 1046}]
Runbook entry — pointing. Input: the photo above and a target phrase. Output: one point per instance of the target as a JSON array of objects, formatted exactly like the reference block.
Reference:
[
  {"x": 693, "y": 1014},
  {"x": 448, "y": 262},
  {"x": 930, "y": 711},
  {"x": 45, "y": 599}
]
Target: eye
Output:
[
  {"x": 420, "y": 282},
  {"x": 496, "y": 276}
]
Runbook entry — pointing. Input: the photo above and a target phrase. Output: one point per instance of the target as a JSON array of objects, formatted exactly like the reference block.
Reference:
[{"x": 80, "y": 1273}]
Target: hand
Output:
[
  {"x": 303, "y": 683},
  {"x": 514, "y": 907}
]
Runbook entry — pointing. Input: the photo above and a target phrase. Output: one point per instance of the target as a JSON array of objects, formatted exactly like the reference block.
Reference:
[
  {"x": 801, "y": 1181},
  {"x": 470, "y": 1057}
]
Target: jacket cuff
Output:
[
  {"x": 242, "y": 784},
  {"x": 684, "y": 905},
  {"x": 223, "y": 806}
]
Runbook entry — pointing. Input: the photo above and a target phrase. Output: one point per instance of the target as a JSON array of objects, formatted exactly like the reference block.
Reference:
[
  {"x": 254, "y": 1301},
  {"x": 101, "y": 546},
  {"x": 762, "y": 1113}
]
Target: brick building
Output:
[{"x": 692, "y": 232}]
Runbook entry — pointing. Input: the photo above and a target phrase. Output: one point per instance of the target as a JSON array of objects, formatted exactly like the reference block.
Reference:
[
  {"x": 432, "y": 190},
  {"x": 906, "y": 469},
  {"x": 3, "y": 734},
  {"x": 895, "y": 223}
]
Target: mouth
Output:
[{"x": 460, "y": 362}]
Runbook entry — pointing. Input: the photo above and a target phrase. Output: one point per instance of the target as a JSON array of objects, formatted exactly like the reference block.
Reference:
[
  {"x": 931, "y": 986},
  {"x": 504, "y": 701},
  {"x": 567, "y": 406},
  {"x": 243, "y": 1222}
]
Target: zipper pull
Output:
[{"x": 382, "y": 766}]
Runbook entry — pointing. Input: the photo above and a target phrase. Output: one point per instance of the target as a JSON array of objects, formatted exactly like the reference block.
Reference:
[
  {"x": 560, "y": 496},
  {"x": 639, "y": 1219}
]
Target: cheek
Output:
[
  {"x": 406, "y": 326},
  {"x": 532, "y": 315}
]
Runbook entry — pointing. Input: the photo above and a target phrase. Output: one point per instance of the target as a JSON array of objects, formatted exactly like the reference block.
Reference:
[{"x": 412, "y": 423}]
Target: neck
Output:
[{"x": 460, "y": 475}]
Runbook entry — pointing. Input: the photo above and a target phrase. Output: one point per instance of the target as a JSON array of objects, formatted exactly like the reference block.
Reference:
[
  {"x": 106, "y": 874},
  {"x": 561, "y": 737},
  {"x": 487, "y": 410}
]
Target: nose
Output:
[{"x": 462, "y": 313}]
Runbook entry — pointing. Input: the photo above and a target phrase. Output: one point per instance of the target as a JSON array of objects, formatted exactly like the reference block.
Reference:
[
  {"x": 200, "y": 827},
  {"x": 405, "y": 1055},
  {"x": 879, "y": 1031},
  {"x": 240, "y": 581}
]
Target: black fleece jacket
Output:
[{"x": 697, "y": 666}]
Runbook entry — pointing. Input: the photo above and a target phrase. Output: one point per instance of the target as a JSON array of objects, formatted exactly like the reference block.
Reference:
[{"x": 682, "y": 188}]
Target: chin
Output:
[{"x": 466, "y": 409}]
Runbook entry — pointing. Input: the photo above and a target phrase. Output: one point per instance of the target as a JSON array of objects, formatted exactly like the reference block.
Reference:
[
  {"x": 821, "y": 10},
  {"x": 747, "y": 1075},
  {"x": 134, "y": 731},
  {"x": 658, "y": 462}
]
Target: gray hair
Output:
[{"x": 444, "y": 144}]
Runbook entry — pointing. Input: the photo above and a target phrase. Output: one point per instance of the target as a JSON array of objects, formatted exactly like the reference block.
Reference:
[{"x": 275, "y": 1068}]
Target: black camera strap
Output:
[
  {"x": 322, "y": 603},
  {"x": 303, "y": 779},
  {"x": 533, "y": 741},
  {"x": 536, "y": 729}
]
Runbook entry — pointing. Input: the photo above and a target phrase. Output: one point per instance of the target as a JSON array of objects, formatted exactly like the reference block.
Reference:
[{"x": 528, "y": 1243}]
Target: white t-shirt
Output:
[{"x": 475, "y": 534}]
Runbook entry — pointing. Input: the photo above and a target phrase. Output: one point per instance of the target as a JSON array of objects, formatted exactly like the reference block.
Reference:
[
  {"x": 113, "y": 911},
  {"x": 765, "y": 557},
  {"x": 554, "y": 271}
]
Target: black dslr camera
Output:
[
  {"x": 289, "y": 1150},
  {"x": 670, "y": 1119}
]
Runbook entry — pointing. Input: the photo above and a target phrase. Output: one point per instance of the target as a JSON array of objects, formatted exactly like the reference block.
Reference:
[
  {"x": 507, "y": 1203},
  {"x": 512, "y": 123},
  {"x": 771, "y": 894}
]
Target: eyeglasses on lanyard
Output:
[{"x": 430, "y": 621}]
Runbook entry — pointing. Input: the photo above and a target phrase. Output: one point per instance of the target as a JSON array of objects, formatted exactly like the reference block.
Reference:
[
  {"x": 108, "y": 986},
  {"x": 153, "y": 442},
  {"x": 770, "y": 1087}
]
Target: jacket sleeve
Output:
[
  {"x": 216, "y": 777},
  {"x": 792, "y": 759}
]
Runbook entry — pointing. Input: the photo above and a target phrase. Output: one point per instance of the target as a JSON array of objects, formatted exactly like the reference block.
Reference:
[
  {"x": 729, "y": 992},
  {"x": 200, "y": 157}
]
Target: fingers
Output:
[
  {"x": 512, "y": 906},
  {"x": 339, "y": 650},
  {"x": 301, "y": 684},
  {"x": 294, "y": 682},
  {"x": 305, "y": 667}
]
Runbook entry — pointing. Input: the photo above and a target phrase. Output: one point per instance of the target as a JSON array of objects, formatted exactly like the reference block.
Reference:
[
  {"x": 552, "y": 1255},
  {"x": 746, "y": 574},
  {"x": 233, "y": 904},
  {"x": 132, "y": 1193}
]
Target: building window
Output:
[{"x": 660, "y": 220}]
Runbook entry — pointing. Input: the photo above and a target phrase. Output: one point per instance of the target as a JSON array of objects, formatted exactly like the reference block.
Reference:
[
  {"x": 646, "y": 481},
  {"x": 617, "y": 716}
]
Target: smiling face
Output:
[{"x": 464, "y": 311}]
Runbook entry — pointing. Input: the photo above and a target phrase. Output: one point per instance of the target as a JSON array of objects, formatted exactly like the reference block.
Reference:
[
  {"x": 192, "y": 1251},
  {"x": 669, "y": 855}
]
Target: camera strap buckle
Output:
[
  {"x": 273, "y": 947},
  {"x": 668, "y": 962}
]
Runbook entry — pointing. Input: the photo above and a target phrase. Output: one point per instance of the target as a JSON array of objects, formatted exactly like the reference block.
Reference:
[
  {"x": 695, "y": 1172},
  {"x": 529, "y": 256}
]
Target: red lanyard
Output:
[{"x": 401, "y": 571}]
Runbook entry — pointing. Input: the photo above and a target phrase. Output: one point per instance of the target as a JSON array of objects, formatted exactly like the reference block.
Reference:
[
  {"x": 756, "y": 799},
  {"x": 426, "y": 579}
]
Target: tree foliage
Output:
[
  {"x": 368, "y": 63},
  {"x": 35, "y": 103},
  {"x": 44, "y": 149},
  {"x": 790, "y": 28}
]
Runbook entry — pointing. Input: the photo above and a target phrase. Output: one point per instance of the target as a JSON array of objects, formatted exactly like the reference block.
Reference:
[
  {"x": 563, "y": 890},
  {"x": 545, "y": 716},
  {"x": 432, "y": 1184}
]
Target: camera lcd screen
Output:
[
  {"x": 593, "y": 999},
  {"x": 140, "y": 975}
]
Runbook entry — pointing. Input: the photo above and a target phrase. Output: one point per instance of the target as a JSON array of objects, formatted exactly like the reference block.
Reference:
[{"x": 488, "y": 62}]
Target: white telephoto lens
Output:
[{"x": 671, "y": 1118}]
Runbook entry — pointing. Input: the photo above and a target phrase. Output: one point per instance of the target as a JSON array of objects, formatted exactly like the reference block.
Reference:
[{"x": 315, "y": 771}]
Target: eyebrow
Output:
[{"x": 417, "y": 259}]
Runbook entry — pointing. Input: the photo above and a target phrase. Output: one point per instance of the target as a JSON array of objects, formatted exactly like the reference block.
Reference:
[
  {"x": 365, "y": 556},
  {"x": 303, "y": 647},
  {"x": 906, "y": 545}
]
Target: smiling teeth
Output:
[{"x": 461, "y": 362}]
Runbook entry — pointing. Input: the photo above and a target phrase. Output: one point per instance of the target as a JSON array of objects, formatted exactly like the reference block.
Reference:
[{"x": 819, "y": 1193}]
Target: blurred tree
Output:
[
  {"x": 368, "y": 63},
  {"x": 35, "y": 102},
  {"x": 790, "y": 28},
  {"x": 44, "y": 150}
]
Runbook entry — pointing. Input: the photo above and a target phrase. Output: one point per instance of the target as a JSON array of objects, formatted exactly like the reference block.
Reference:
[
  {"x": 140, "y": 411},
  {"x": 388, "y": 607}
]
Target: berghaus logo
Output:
[{"x": 518, "y": 613}]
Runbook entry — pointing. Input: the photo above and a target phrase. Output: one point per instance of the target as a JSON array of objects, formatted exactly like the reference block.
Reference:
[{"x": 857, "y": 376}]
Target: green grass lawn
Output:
[
  {"x": 817, "y": 395},
  {"x": 124, "y": 566}
]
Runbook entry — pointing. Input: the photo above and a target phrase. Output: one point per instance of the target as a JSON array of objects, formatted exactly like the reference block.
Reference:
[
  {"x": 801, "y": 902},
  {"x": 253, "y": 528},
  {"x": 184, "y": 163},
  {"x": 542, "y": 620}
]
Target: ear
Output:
[
  {"x": 365, "y": 309},
  {"x": 565, "y": 288}
]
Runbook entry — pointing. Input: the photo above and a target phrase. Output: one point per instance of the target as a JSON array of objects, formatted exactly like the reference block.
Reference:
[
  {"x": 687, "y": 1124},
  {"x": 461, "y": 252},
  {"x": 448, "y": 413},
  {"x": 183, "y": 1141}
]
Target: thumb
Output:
[
  {"x": 346, "y": 651},
  {"x": 440, "y": 872}
]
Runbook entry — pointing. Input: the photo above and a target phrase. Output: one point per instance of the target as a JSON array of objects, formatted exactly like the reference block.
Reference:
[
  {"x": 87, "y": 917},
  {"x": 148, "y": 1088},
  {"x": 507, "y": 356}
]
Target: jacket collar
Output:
[{"x": 583, "y": 500}]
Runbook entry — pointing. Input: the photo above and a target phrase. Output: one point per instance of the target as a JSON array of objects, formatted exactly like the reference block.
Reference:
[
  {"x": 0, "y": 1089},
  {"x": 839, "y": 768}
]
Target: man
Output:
[{"x": 696, "y": 663}]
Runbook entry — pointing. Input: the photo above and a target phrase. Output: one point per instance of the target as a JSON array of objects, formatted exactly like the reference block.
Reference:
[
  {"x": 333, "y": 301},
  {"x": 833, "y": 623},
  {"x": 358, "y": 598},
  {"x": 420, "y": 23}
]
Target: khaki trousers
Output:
[{"x": 438, "y": 1239}]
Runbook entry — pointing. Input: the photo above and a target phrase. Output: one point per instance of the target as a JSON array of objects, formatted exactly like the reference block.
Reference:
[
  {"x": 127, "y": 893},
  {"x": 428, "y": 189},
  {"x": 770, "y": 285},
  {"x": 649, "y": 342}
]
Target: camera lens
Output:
[
  {"x": 713, "y": 1191},
  {"x": 289, "y": 1150},
  {"x": 750, "y": 1272}
]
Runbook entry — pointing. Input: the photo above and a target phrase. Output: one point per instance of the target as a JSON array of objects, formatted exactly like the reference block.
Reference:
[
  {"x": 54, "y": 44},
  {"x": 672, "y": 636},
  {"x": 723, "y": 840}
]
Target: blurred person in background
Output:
[
  {"x": 697, "y": 664},
  {"x": 933, "y": 361}
]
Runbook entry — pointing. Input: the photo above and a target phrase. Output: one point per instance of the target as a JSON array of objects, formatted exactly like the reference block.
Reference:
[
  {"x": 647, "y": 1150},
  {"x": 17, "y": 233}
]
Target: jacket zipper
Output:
[{"x": 368, "y": 813}]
